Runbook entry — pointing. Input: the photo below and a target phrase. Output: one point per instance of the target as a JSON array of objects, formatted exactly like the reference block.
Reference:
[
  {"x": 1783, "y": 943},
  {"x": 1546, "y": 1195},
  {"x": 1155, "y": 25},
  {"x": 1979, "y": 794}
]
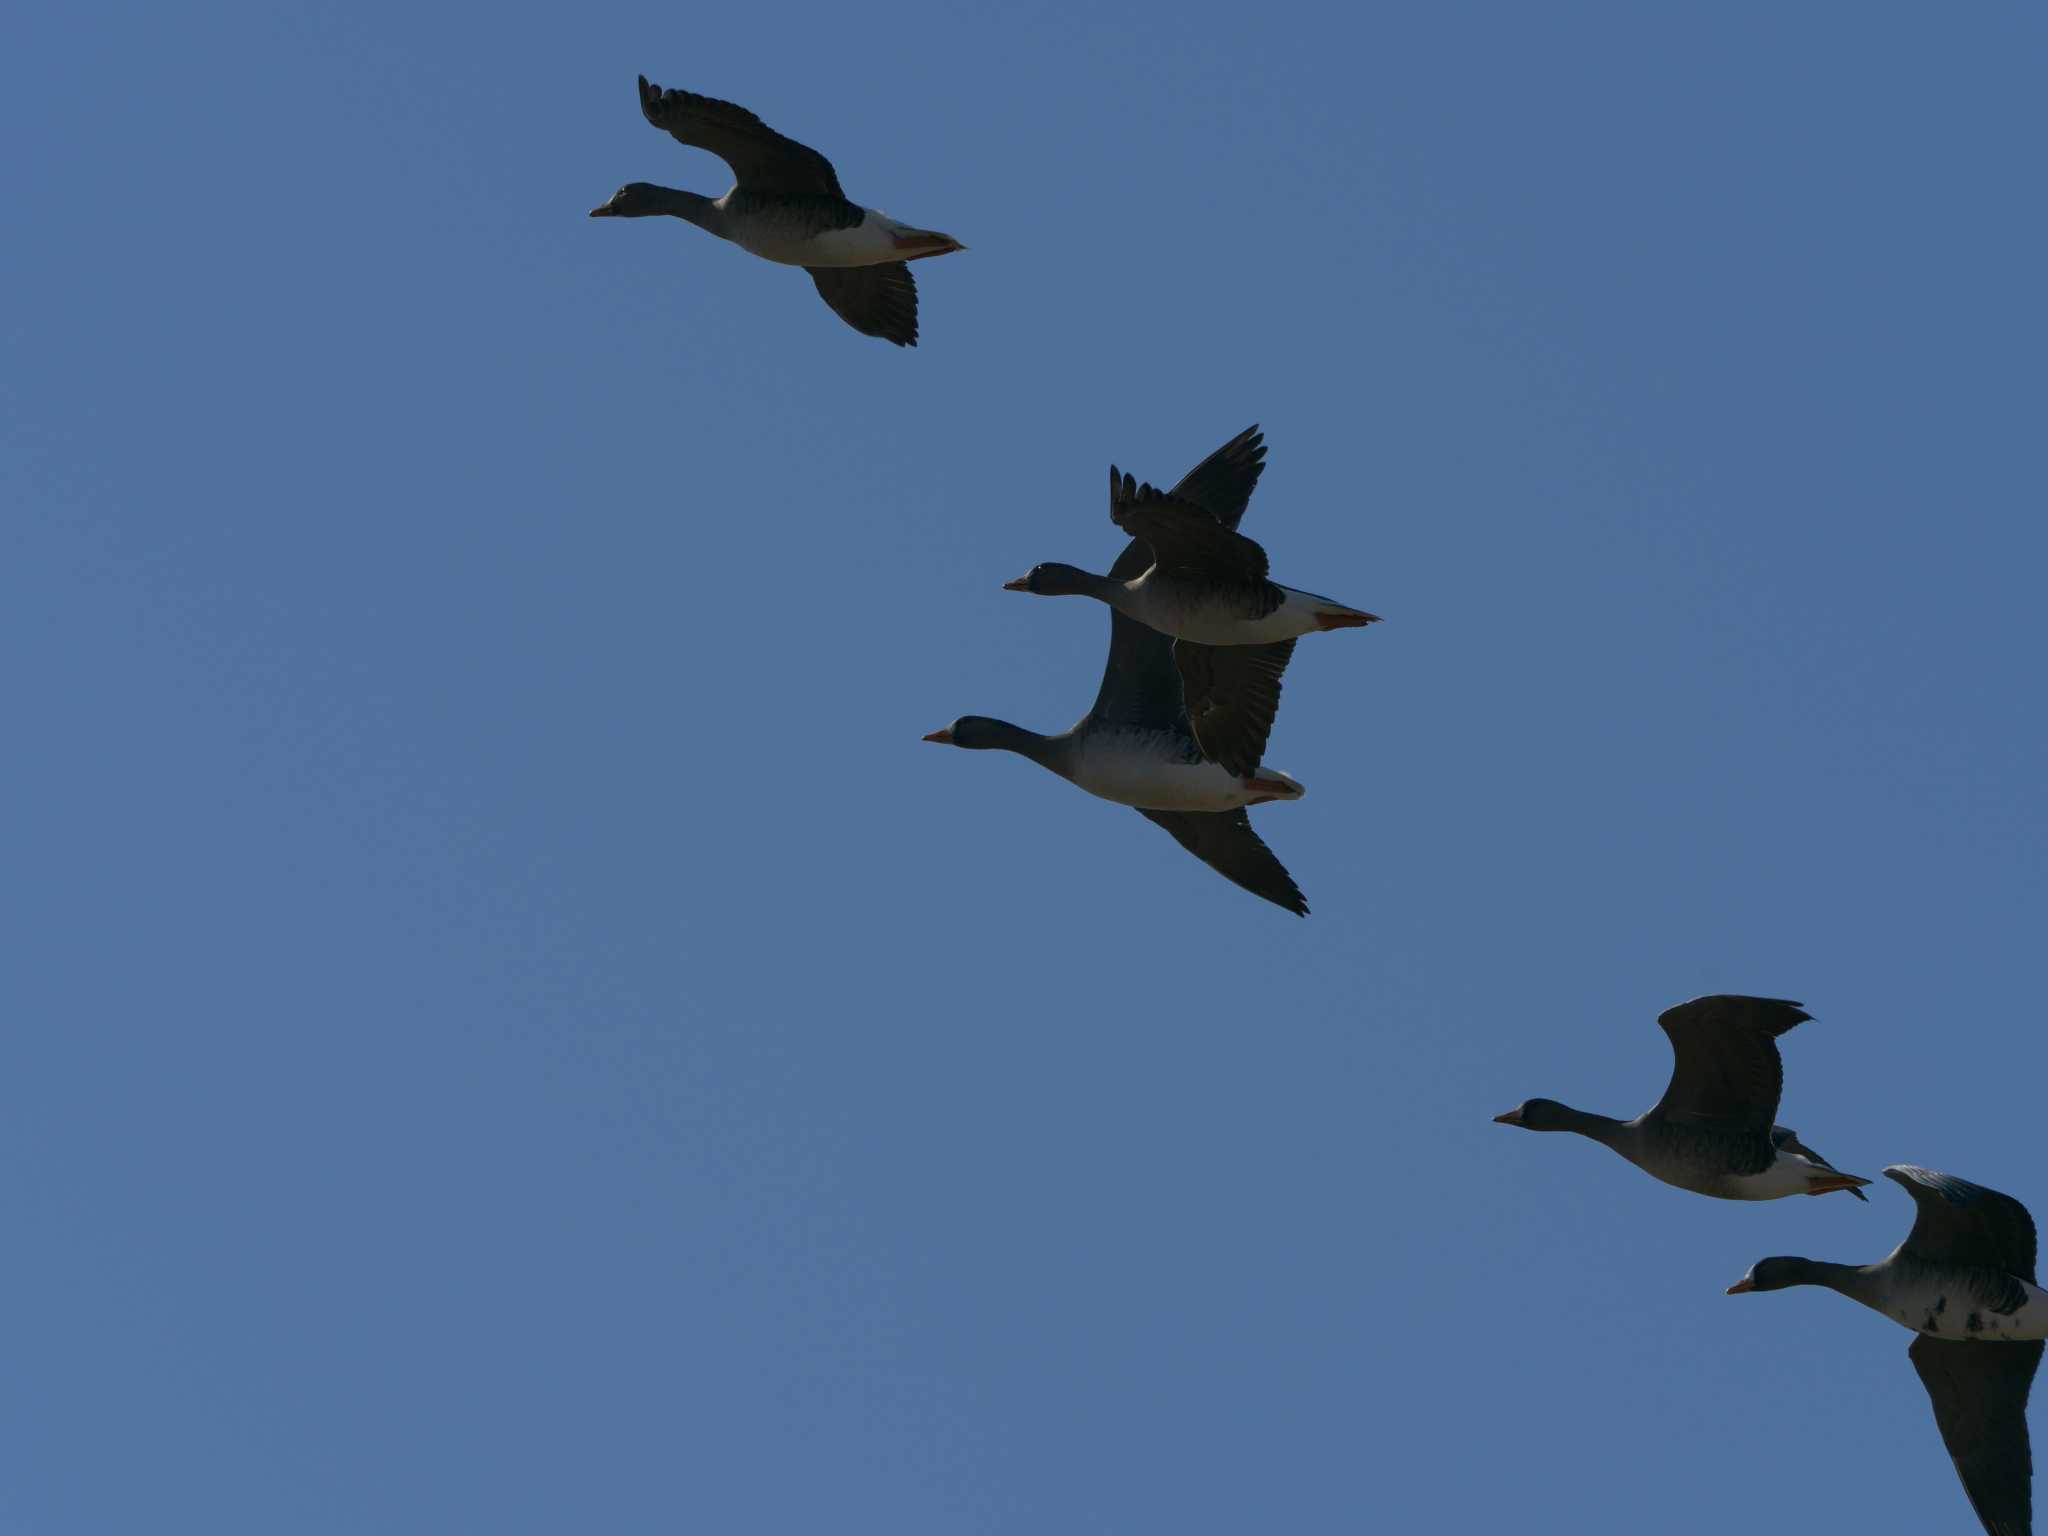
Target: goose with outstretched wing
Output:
[
  {"x": 1715, "y": 1131},
  {"x": 1963, "y": 1282},
  {"x": 786, "y": 206},
  {"x": 1136, "y": 745}
]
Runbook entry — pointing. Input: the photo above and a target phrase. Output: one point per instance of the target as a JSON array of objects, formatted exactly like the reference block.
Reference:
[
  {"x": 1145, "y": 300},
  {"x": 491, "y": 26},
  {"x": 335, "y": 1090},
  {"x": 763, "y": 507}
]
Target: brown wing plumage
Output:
[
  {"x": 1232, "y": 693},
  {"x": 876, "y": 301},
  {"x": 762, "y": 160}
]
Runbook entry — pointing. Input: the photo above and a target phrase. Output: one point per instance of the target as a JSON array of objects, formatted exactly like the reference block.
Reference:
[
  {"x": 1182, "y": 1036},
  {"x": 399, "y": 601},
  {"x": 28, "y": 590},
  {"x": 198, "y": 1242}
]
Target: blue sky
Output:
[{"x": 509, "y": 1029}]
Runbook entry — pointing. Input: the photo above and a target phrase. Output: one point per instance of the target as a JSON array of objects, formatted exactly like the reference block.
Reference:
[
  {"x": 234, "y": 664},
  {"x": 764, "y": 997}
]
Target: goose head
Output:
[
  {"x": 1776, "y": 1274},
  {"x": 636, "y": 200},
  {"x": 978, "y": 733},
  {"x": 1543, "y": 1115},
  {"x": 1053, "y": 579}
]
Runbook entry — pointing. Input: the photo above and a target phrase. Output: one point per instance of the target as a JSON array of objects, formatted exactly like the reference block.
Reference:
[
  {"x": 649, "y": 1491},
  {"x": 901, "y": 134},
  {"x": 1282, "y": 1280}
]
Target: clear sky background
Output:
[{"x": 507, "y": 1029}]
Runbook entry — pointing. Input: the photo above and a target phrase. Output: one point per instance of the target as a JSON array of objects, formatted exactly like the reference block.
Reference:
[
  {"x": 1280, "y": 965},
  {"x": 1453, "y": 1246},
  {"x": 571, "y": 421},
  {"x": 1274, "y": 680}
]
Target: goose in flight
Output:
[
  {"x": 1206, "y": 587},
  {"x": 1136, "y": 746},
  {"x": 786, "y": 206},
  {"x": 1207, "y": 582},
  {"x": 1714, "y": 1131},
  {"x": 1963, "y": 1282}
]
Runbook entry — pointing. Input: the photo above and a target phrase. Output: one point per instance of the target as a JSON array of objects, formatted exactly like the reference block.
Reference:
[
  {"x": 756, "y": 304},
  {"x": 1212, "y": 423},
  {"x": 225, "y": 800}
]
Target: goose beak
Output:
[
  {"x": 1021, "y": 584},
  {"x": 943, "y": 738},
  {"x": 603, "y": 213},
  {"x": 1742, "y": 1286},
  {"x": 1512, "y": 1117}
]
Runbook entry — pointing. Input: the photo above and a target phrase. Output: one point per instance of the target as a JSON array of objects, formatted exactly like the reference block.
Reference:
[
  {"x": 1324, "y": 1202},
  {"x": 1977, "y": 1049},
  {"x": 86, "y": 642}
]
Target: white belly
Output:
[
  {"x": 1210, "y": 626},
  {"x": 1786, "y": 1176},
  {"x": 867, "y": 244},
  {"x": 1933, "y": 1308},
  {"x": 1110, "y": 768}
]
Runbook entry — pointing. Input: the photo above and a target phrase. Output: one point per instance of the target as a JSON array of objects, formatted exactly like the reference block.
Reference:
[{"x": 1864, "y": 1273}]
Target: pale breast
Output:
[
  {"x": 1119, "y": 768},
  {"x": 1944, "y": 1307}
]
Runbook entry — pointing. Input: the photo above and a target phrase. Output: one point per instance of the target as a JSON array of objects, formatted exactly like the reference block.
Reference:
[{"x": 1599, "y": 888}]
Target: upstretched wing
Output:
[
  {"x": 761, "y": 159},
  {"x": 1232, "y": 693},
  {"x": 1140, "y": 683},
  {"x": 1183, "y": 536},
  {"x": 1965, "y": 1224},
  {"x": 1225, "y": 841},
  {"x": 1725, "y": 1070},
  {"x": 1979, "y": 1392},
  {"x": 876, "y": 301},
  {"x": 1220, "y": 485}
]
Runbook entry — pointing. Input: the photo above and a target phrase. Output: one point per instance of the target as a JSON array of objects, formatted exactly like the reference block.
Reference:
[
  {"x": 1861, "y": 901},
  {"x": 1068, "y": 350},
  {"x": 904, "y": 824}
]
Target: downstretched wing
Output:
[
  {"x": 1225, "y": 841},
  {"x": 762, "y": 160},
  {"x": 1726, "y": 1072},
  {"x": 1232, "y": 693},
  {"x": 876, "y": 301},
  {"x": 1183, "y": 536},
  {"x": 1965, "y": 1224},
  {"x": 1140, "y": 684},
  {"x": 1979, "y": 1392}
]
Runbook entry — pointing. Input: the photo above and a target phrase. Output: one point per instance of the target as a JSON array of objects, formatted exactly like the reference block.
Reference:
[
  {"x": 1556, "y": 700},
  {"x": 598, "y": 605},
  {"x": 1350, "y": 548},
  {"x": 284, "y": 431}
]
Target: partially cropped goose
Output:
[
  {"x": 787, "y": 207},
  {"x": 1713, "y": 1131},
  {"x": 1136, "y": 746},
  {"x": 1963, "y": 1280}
]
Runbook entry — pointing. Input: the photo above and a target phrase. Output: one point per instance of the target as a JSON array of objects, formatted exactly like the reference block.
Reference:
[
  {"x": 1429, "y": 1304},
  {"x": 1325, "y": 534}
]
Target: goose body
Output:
[
  {"x": 1206, "y": 584},
  {"x": 1137, "y": 745},
  {"x": 786, "y": 206},
  {"x": 1714, "y": 1132},
  {"x": 1200, "y": 612},
  {"x": 1665, "y": 1157},
  {"x": 773, "y": 233},
  {"x": 1153, "y": 771},
  {"x": 1945, "y": 1304},
  {"x": 1963, "y": 1282}
]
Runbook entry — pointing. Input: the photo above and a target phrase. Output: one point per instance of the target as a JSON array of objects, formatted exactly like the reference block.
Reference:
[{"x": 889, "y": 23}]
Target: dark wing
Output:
[
  {"x": 1979, "y": 1392},
  {"x": 876, "y": 301},
  {"x": 1785, "y": 1139},
  {"x": 1140, "y": 683},
  {"x": 1965, "y": 1224},
  {"x": 1222, "y": 484},
  {"x": 1183, "y": 536},
  {"x": 1232, "y": 692},
  {"x": 1726, "y": 1072},
  {"x": 761, "y": 159},
  {"x": 1225, "y": 841}
]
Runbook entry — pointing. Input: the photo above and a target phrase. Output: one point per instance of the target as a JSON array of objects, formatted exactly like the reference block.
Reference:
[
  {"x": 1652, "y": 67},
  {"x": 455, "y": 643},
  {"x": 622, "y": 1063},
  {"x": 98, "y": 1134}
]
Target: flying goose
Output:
[
  {"x": 1963, "y": 1281},
  {"x": 1207, "y": 583},
  {"x": 1136, "y": 747},
  {"x": 1206, "y": 587},
  {"x": 786, "y": 206},
  {"x": 1713, "y": 1131}
]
